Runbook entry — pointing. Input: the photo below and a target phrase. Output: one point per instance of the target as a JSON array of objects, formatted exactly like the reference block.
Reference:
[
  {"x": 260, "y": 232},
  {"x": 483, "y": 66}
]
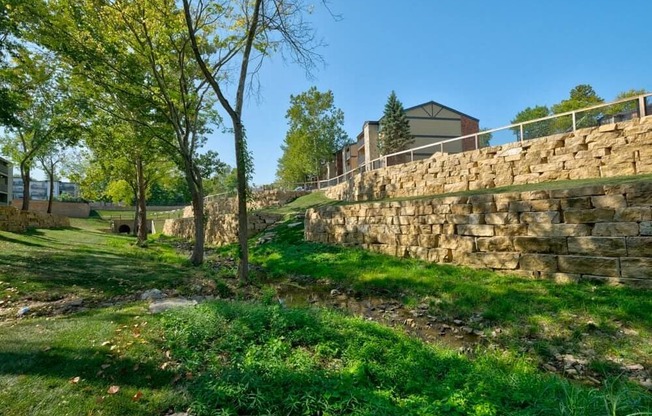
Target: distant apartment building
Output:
[
  {"x": 6, "y": 182},
  {"x": 40, "y": 190},
  {"x": 430, "y": 123}
]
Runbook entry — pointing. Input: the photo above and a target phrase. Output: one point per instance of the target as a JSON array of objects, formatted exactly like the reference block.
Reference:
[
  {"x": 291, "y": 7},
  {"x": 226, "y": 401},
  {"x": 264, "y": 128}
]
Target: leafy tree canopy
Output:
[{"x": 315, "y": 133}]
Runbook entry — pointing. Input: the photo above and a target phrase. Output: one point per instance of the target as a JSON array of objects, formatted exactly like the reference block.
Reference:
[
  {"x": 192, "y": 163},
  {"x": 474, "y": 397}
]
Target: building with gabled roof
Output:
[{"x": 430, "y": 122}]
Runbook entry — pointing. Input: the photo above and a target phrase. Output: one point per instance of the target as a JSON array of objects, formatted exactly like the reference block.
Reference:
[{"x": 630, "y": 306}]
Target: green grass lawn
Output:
[{"x": 249, "y": 355}]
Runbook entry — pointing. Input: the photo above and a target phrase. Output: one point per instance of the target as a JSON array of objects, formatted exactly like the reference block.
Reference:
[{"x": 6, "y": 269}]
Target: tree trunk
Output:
[
  {"x": 134, "y": 225},
  {"x": 243, "y": 265},
  {"x": 24, "y": 173},
  {"x": 141, "y": 202},
  {"x": 51, "y": 196},
  {"x": 197, "y": 195}
]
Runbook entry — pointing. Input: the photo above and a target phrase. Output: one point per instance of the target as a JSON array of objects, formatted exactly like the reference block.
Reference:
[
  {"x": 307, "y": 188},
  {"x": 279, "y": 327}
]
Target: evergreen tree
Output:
[{"x": 394, "y": 134}]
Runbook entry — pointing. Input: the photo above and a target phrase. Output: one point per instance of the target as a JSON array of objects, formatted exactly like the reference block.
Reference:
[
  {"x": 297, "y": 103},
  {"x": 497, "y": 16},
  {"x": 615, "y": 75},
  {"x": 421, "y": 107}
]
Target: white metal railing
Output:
[{"x": 586, "y": 117}]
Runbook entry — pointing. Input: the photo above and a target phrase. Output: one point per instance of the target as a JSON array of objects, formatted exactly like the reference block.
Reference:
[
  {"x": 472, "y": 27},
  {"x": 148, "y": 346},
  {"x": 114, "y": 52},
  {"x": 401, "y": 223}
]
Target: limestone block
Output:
[
  {"x": 576, "y": 203},
  {"x": 545, "y": 205},
  {"x": 630, "y": 214},
  {"x": 599, "y": 266},
  {"x": 502, "y": 200},
  {"x": 456, "y": 187},
  {"x": 646, "y": 228},
  {"x": 598, "y": 246},
  {"x": 441, "y": 208},
  {"x": 500, "y": 261},
  {"x": 639, "y": 246},
  {"x": 519, "y": 206},
  {"x": 639, "y": 194},
  {"x": 476, "y": 230},
  {"x": 481, "y": 199},
  {"x": 538, "y": 262},
  {"x": 428, "y": 240},
  {"x": 577, "y": 192},
  {"x": 456, "y": 242},
  {"x": 448, "y": 229},
  {"x": 620, "y": 169},
  {"x": 465, "y": 219},
  {"x": 461, "y": 208},
  {"x": 587, "y": 216},
  {"x": 551, "y": 245},
  {"x": 616, "y": 229},
  {"x": 526, "y": 178},
  {"x": 498, "y": 243},
  {"x": 450, "y": 200},
  {"x": 551, "y": 217},
  {"x": 558, "y": 230},
  {"x": 510, "y": 229},
  {"x": 636, "y": 268},
  {"x": 500, "y": 218}
]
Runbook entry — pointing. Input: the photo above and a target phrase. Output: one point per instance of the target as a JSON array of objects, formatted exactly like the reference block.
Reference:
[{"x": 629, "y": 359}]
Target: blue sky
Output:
[{"x": 489, "y": 59}]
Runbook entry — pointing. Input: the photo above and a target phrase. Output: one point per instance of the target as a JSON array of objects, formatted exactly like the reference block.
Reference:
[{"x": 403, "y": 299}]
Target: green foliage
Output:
[
  {"x": 394, "y": 134},
  {"x": 533, "y": 130},
  {"x": 581, "y": 96},
  {"x": 315, "y": 133},
  {"x": 252, "y": 359}
]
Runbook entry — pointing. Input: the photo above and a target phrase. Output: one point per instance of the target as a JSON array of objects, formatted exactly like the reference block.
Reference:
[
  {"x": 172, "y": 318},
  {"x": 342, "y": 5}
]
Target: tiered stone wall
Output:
[
  {"x": 259, "y": 200},
  {"x": 611, "y": 150},
  {"x": 596, "y": 232},
  {"x": 16, "y": 221},
  {"x": 220, "y": 229},
  {"x": 67, "y": 209},
  {"x": 222, "y": 219}
]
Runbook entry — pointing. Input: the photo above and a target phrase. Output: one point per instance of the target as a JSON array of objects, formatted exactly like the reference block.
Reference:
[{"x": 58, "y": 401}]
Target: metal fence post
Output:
[
  {"x": 521, "y": 128},
  {"x": 574, "y": 121},
  {"x": 641, "y": 107}
]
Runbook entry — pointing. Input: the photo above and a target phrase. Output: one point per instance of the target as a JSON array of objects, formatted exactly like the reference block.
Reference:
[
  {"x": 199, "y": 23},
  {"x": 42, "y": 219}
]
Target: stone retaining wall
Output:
[
  {"x": 611, "y": 150},
  {"x": 16, "y": 221},
  {"x": 595, "y": 232},
  {"x": 220, "y": 229},
  {"x": 259, "y": 200},
  {"x": 67, "y": 209}
]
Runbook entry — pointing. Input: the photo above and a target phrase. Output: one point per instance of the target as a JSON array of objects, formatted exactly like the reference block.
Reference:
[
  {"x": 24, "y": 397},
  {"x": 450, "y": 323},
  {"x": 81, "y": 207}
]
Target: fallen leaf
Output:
[
  {"x": 137, "y": 396},
  {"x": 113, "y": 389},
  {"x": 74, "y": 380}
]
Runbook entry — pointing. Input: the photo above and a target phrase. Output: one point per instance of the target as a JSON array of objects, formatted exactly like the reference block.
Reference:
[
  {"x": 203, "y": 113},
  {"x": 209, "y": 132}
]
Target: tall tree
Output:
[
  {"x": 50, "y": 159},
  {"x": 223, "y": 35},
  {"x": 46, "y": 111},
  {"x": 394, "y": 133},
  {"x": 315, "y": 133},
  {"x": 581, "y": 96},
  {"x": 139, "y": 51}
]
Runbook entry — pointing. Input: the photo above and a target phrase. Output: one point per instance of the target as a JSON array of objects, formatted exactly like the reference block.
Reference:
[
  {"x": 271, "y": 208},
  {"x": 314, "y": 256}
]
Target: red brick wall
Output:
[{"x": 469, "y": 126}]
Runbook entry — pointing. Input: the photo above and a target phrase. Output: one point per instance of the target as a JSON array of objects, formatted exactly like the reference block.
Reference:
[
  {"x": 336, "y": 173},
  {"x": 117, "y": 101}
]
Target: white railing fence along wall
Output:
[{"x": 608, "y": 113}]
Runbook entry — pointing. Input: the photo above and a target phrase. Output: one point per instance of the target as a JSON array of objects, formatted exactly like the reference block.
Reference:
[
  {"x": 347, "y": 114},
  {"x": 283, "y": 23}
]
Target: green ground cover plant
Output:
[{"x": 250, "y": 354}]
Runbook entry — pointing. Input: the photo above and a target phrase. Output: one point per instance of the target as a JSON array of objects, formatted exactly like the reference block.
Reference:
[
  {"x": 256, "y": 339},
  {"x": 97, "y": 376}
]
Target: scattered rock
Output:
[
  {"x": 23, "y": 311},
  {"x": 458, "y": 322},
  {"x": 549, "y": 367},
  {"x": 634, "y": 367},
  {"x": 335, "y": 292},
  {"x": 152, "y": 294},
  {"x": 161, "y": 305},
  {"x": 647, "y": 383}
]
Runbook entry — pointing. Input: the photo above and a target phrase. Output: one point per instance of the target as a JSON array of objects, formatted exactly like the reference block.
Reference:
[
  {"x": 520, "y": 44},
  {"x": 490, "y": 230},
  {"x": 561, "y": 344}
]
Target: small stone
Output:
[
  {"x": 335, "y": 292},
  {"x": 634, "y": 367},
  {"x": 467, "y": 329},
  {"x": 458, "y": 322},
  {"x": 23, "y": 311},
  {"x": 549, "y": 367},
  {"x": 152, "y": 294},
  {"x": 571, "y": 371},
  {"x": 647, "y": 383}
]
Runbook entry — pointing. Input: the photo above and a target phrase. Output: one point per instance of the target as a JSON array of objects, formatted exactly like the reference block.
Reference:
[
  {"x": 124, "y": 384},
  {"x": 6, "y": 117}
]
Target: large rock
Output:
[{"x": 162, "y": 305}]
